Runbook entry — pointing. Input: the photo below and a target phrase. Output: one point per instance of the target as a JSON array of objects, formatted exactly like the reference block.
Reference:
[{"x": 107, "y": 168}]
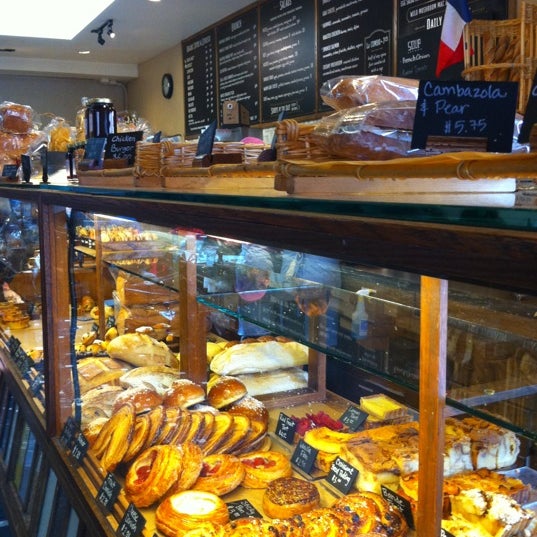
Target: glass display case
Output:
[{"x": 376, "y": 298}]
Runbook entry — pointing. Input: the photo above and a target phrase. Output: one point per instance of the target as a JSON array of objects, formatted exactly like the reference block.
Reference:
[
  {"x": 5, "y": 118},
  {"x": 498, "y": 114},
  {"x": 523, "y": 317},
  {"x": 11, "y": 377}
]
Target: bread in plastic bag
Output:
[
  {"x": 383, "y": 131},
  {"x": 347, "y": 92},
  {"x": 16, "y": 118}
]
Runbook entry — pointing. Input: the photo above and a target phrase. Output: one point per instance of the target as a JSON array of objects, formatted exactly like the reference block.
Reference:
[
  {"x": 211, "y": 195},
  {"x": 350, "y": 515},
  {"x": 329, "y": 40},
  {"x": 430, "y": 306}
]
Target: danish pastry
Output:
[
  {"x": 288, "y": 496},
  {"x": 153, "y": 474},
  {"x": 247, "y": 527},
  {"x": 323, "y": 522},
  {"x": 262, "y": 467},
  {"x": 187, "y": 510},
  {"x": 191, "y": 466},
  {"x": 220, "y": 474},
  {"x": 251, "y": 408}
]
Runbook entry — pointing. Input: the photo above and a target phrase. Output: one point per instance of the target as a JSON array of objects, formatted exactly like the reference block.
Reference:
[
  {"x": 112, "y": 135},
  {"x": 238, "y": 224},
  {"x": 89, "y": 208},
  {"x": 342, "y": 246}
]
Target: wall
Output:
[
  {"x": 145, "y": 96},
  {"x": 57, "y": 95}
]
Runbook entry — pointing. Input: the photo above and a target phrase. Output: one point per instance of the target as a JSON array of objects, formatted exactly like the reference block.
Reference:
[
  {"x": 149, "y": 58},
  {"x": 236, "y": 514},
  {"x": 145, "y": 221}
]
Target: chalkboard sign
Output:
[
  {"x": 355, "y": 38},
  {"x": 466, "y": 110},
  {"x": 399, "y": 503},
  {"x": 93, "y": 154},
  {"x": 242, "y": 509},
  {"x": 353, "y": 418},
  {"x": 419, "y": 30},
  {"x": 10, "y": 170},
  {"x": 342, "y": 475},
  {"x": 304, "y": 456},
  {"x": 286, "y": 428},
  {"x": 287, "y": 48},
  {"x": 132, "y": 523},
  {"x": 238, "y": 64},
  {"x": 199, "y": 64},
  {"x": 122, "y": 145},
  {"x": 80, "y": 448},
  {"x": 109, "y": 491}
]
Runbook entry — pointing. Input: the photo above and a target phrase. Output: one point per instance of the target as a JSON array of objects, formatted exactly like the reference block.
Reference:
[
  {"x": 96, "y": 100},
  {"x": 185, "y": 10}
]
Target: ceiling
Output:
[{"x": 144, "y": 30}]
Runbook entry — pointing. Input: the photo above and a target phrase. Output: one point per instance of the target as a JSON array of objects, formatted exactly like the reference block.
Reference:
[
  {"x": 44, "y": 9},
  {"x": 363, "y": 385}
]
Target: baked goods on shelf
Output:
[
  {"x": 495, "y": 513},
  {"x": 220, "y": 474},
  {"x": 141, "y": 350},
  {"x": 184, "y": 393},
  {"x": 259, "y": 357},
  {"x": 186, "y": 510},
  {"x": 288, "y": 496},
  {"x": 157, "y": 377},
  {"x": 111, "y": 443},
  {"x": 97, "y": 371},
  {"x": 251, "y": 408},
  {"x": 262, "y": 467},
  {"x": 151, "y": 476},
  {"x": 225, "y": 391},
  {"x": 383, "y": 407},
  {"x": 142, "y": 398}
]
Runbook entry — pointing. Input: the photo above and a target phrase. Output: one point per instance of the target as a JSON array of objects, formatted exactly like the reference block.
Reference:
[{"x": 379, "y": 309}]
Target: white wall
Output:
[
  {"x": 145, "y": 96},
  {"x": 56, "y": 95}
]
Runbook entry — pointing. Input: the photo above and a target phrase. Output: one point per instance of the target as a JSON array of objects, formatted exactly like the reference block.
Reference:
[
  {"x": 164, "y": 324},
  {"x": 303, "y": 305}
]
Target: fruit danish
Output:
[
  {"x": 187, "y": 510},
  {"x": 153, "y": 474},
  {"x": 220, "y": 474},
  {"x": 262, "y": 467}
]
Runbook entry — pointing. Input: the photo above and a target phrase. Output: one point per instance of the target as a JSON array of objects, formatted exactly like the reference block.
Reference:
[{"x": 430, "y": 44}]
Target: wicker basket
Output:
[{"x": 294, "y": 141}]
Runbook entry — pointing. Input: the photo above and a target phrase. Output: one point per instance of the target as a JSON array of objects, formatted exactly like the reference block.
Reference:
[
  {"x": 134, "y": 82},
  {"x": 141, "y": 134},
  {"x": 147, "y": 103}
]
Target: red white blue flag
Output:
[{"x": 451, "y": 50}]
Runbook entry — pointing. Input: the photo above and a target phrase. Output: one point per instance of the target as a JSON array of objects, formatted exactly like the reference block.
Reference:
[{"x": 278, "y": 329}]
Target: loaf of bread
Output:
[
  {"x": 141, "y": 350},
  {"x": 346, "y": 92}
]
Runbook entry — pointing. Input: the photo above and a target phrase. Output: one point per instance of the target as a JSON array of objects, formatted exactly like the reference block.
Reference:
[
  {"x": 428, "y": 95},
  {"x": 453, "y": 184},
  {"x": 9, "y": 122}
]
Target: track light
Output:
[{"x": 108, "y": 26}]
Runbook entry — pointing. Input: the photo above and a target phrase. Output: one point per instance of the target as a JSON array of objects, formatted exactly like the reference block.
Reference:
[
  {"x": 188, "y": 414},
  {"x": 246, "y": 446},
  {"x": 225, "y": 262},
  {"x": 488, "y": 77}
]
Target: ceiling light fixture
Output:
[{"x": 108, "y": 26}]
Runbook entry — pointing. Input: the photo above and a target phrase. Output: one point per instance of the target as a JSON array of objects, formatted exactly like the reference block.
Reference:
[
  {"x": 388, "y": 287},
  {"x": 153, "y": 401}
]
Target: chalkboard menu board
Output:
[
  {"x": 287, "y": 47},
  {"x": 199, "y": 64},
  {"x": 355, "y": 38},
  {"x": 420, "y": 28},
  {"x": 238, "y": 62}
]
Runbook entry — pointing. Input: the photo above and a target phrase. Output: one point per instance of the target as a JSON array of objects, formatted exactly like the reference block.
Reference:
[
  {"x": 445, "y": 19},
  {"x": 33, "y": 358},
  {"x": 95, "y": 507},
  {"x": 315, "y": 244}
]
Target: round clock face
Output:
[{"x": 167, "y": 85}]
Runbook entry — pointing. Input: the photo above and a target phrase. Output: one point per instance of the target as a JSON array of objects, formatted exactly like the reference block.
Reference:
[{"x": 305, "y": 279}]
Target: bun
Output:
[
  {"x": 324, "y": 522},
  {"x": 186, "y": 510},
  {"x": 251, "y": 408},
  {"x": 16, "y": 118},
  {"x": 220, "y": 474},
  {"x": 153, "y": 474},
  {"x": 250, "y": 526},
  {"x": 288, "y": 496},
  {"x": 143, "y": 399},
  {"x": 226, "y": 390},
  {"x": 184, "y": 393},
  {"x": 262, "y": 467}
]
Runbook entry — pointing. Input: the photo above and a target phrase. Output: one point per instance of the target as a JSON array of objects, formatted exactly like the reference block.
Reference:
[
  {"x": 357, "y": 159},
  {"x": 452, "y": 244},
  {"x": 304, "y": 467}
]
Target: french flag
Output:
[{"x": 451, "y": 49}]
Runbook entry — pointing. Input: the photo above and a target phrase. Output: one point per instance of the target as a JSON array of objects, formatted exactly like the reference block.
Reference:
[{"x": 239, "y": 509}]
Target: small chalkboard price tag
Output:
[
  {"x": 445, "y": 533},
  {"x": 463, "y": 109},
  {"x": 10, "y": 171},
  {"x": 69, "y": 432},
  {"x": 303, "y": 457},
  {"x": 37, "y": 384},
  {"x": 132, "y": 523},
  {"x": 122, "y": 146},
  {"x": 530, "y": 114},
  {"x": 93, "y": 154},
  {"x": 108, "y": 492},
  {"x": 80, "y": 448},
  {"x": 353, "y": 418},
  {"x": 286, "y": 428},
  {"x": 242, "y": 509},
  {"x": 342, "y": 475},
  {"x": 399, "y": 503}
]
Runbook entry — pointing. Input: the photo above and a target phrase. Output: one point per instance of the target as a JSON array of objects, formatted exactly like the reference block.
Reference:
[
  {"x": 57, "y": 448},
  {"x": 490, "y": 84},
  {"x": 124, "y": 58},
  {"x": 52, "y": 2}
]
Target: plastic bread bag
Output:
[
  {"x": 383, "y": 131},
  {"x": 59, "y": 134},
  {"x": 347, "y": 92},
  {"x": 16, "y": 118}
]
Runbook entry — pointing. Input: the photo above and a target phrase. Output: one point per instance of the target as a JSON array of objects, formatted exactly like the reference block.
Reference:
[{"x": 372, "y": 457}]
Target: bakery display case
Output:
[{"x": 321, "y": 309}]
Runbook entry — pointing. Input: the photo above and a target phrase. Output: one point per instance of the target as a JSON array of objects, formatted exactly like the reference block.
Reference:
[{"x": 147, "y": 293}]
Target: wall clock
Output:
[{"x": 167, "y": 85}]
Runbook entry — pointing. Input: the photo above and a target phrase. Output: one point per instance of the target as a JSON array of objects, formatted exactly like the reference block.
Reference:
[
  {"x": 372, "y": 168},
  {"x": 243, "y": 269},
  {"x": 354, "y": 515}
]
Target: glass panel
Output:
[{"x": 492, "y": 355}]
